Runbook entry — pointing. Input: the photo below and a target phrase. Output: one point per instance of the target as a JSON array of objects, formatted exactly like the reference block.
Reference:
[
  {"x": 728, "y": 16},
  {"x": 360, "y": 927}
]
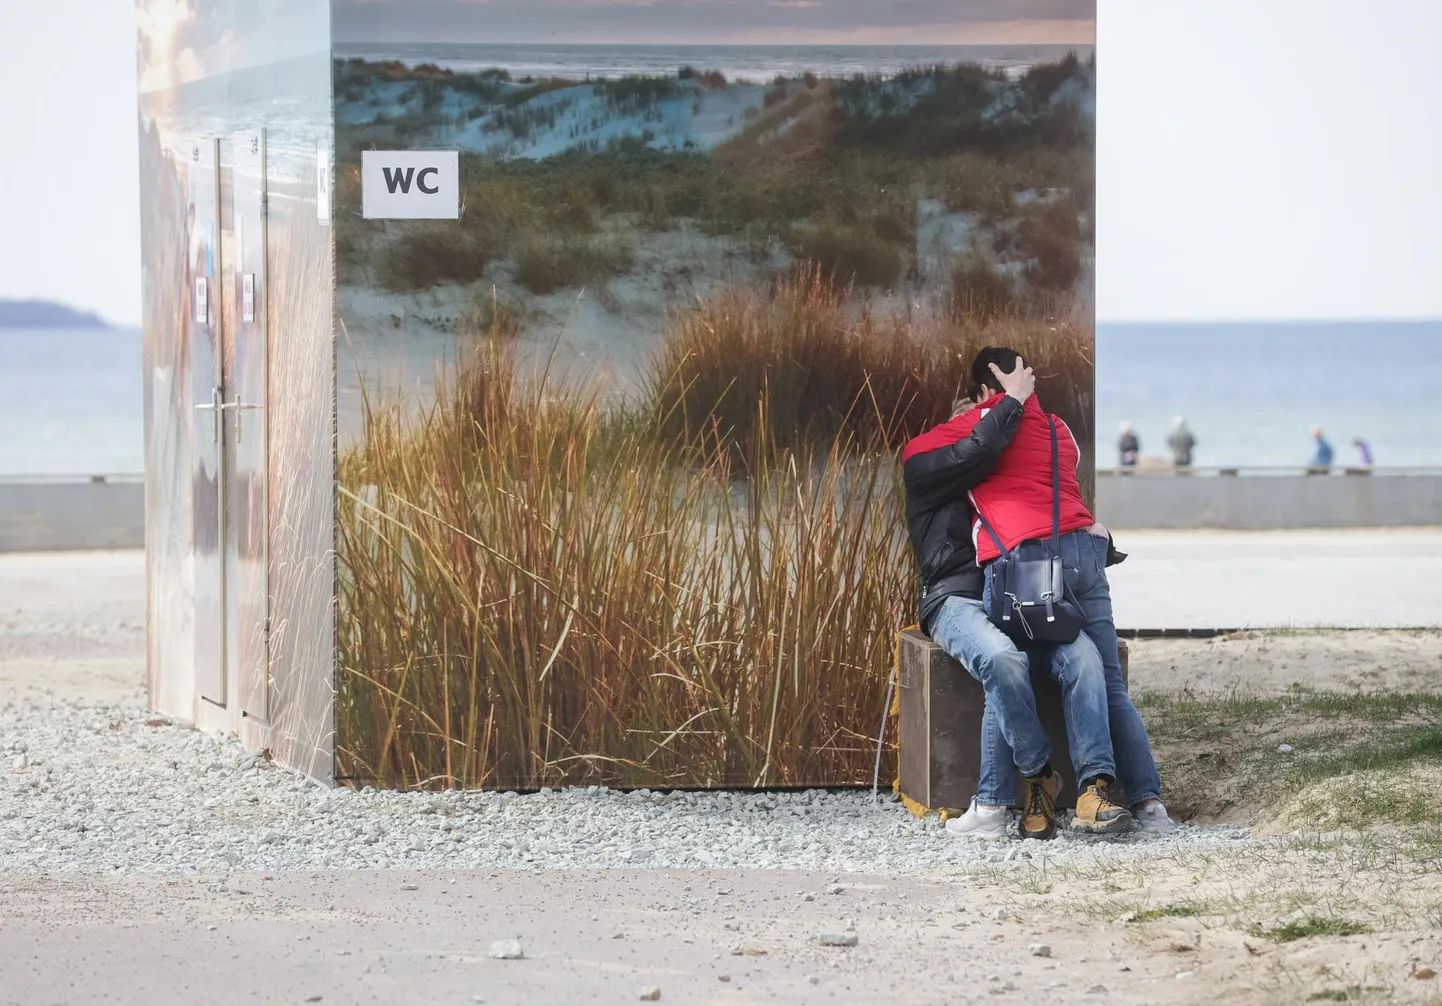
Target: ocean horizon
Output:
[
  {"x": 71, "y": 401},
  {"x": 1251, "y": 392},
  {"x": 737, "y": 62}
]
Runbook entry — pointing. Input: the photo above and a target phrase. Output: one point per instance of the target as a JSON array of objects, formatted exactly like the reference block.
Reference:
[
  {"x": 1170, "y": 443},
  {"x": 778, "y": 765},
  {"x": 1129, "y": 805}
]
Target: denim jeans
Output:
[
  {"x": 962, "y": 629},
  {"x": 1136, "y": 769}
]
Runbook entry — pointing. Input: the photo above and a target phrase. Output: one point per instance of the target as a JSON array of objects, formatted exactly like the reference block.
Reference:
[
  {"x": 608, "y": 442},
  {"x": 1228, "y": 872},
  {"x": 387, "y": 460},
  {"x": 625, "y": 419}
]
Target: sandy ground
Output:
[
  {"x": 71, "y": 631},
  {"x": 73, "y": 624},
  {"x": 1268, "y": 662},
  {"x": 602, "y": 936},
  {"x": 1246, "y": 579}
]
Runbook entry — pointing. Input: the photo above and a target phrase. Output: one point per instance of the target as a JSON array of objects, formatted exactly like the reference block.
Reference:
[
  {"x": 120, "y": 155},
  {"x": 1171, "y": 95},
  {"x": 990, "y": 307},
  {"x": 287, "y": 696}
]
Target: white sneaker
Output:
[
  {"x": 1153, "y": 817},
  {"x": 985, "y": 823}
]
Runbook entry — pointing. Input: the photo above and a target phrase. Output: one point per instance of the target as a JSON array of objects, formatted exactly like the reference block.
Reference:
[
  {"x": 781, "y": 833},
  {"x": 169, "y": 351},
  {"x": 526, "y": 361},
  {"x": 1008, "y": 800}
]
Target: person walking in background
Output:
[
  {"x": 1129, "y": 447},
  {"x": 1322, "y": 451},
  {"x": 1364, "y": 449},
  {"x": 1182, "y": 443}
]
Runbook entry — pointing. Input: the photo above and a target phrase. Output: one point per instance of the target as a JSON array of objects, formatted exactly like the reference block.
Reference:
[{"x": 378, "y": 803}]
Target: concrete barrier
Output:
[
  {"x": 108, "y": 512},
  {"x": 1258, "y": 500},
  {"x": 42, "y": 515}
]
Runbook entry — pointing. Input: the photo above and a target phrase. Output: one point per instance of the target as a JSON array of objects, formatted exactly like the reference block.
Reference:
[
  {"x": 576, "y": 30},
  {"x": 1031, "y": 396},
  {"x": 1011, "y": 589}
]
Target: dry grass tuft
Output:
[
  {"x": 546, "y": 266},
  {"x": 828, "y": 372},
  {"x": 425, "y": 256},
  {"x": 542, "y": 587},
  {"x": 532, "y": 594},
  {"x": 846, "y": 253}
]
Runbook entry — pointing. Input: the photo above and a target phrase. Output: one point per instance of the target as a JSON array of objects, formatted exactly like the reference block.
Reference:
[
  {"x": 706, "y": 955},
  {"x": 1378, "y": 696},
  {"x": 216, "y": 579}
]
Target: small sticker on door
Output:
[
  {"x": 247, "y": 297},
  {"x": 322, "y": 182},
  {"x": 202, "y": 301}
]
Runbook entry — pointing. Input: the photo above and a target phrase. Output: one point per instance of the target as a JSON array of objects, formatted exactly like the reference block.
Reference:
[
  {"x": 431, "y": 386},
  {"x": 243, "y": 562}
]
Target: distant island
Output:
[{"x": 45, "y": 314}]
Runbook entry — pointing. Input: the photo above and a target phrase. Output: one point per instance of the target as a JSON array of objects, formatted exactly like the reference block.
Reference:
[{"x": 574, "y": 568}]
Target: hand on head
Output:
[{"x": 1020, "y": 383}]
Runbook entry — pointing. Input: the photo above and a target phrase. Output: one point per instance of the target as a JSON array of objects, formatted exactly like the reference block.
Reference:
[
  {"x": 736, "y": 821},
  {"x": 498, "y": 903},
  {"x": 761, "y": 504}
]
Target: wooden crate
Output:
[{"x": 940, "y": 730}]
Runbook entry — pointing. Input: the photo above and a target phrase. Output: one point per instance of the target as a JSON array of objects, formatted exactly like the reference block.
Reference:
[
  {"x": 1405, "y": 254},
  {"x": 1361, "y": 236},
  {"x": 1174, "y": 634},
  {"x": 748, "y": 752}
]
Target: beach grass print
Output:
[
  {"x": 692, "y": 578},
  {"x": 540, "y": 587}
]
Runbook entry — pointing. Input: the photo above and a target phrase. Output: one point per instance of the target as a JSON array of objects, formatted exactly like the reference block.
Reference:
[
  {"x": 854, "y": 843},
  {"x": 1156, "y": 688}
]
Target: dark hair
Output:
[{"x": 981, "y": 374}]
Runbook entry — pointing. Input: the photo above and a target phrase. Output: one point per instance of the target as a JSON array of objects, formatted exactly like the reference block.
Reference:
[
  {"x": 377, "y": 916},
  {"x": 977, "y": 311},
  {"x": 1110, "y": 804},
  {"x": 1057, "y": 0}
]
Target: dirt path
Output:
[
  {"x": 601, "y": 936},
  {"x": 1177, "y": 927}
]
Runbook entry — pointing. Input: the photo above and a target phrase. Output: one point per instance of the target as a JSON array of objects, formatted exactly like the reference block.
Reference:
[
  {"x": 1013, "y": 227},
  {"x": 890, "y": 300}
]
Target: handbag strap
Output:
[
  {"x": 1055, "y": 491},
  {"x": 1055, "y": 501}
]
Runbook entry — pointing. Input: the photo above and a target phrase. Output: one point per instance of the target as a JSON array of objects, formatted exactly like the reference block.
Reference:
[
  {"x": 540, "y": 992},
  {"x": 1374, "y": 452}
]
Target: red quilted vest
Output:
[{"x": 1016, "y": 497}]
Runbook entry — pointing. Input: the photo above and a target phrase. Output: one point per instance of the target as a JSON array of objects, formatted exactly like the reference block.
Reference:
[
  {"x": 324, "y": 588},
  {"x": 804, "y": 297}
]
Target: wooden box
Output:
[{"x": 941, "y": 707}]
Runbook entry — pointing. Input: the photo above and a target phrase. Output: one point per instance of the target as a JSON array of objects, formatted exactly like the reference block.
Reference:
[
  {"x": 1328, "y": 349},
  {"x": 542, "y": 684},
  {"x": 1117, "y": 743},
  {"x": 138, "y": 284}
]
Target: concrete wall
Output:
[
  {"x": 1261, "y": 502},
  {"x": 39, "y": 516},
  {"x": 62, "y": 515}
]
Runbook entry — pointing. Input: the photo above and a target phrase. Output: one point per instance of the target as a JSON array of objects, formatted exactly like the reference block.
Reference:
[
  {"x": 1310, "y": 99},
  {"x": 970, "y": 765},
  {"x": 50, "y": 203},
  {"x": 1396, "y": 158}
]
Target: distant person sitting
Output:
[
  {"x": 1364, "y": 450},
  {"x": 1129, "y": 447},
  {"x": 1182, "y": 443},
  {"x": 1322, "y": 452}
]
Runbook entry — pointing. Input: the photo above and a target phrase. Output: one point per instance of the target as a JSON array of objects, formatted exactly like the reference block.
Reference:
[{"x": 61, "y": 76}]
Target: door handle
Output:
[
  {"x": 240, "y": 407},
  {"x": 213, "y": 406}
]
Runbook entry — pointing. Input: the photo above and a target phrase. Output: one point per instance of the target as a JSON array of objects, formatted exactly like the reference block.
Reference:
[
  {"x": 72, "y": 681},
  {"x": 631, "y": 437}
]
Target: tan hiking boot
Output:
[
  {"x": 1096, "y": 813},
  {"x": 1038, "y": 813}
]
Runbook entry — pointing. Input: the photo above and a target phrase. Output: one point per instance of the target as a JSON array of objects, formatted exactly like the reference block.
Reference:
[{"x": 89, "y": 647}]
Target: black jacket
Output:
[{"x": 938, "y": 474}]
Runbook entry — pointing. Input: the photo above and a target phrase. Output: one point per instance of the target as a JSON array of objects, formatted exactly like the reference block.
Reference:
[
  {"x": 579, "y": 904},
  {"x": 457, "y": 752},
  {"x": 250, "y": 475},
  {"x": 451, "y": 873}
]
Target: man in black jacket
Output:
[{"x": 940, "y": 468}]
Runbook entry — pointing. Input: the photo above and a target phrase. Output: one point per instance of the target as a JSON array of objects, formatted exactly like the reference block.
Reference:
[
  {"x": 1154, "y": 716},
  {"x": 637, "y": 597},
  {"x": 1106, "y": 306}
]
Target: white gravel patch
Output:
[{"x": 96, "y": 789}]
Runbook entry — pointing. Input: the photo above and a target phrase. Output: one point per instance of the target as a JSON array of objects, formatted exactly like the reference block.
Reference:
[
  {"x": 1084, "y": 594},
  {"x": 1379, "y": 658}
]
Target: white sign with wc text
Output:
[{"x": 410, "y": 184}]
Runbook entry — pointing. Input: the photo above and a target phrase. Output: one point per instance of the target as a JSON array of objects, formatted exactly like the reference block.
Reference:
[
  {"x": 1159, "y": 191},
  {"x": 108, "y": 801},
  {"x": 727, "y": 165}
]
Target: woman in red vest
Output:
[{"x": 995, "y": 461}]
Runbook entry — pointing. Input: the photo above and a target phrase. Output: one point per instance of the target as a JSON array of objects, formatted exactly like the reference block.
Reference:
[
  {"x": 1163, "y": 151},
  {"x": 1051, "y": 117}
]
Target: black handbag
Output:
[{"x": 1026, "y": 587}]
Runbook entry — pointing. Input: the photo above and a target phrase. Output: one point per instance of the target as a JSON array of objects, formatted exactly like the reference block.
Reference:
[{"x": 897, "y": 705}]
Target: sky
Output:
[{"x": 1255, "y": 161}]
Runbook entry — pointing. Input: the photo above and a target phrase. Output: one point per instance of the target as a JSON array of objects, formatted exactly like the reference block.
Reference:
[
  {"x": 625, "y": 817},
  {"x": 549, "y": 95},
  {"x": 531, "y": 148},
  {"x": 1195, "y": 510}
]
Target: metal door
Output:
[
  {"x": 207, "y": 470},
  {"x": 244, "y": 426}
]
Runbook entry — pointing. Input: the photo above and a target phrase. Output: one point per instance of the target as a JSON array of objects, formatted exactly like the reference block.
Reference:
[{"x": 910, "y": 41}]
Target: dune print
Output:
[{"x": 617, "y": 500}]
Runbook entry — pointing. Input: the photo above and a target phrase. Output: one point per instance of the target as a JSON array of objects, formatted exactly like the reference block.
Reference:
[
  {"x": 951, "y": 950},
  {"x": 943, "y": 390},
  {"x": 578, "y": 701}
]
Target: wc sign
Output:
[{"x": 410, "y": 185}]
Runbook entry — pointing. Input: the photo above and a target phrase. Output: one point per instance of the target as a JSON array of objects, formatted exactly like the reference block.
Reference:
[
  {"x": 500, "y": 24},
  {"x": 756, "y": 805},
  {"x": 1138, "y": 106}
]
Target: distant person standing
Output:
[
  {"x": 1182, "y": 443},
  {"x": 1322, "y": 451},
  {"x": 1364, "y": 449},
  {"x": 1129, "y": 447}
]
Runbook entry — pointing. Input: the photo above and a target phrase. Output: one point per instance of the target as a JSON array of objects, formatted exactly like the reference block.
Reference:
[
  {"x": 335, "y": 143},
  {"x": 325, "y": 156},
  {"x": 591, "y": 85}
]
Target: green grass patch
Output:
[
  {"x": 546, "y": 266},
  {"x": 1220, "y": 757},
  {"x": 1352, "y": 993},
  {"x": 1184, "y": 911},
  {"x": 1311, "y": 926}
]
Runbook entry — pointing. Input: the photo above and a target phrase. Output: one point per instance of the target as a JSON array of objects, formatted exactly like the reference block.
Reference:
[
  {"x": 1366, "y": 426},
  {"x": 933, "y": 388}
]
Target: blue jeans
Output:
[
  {"x": 962, "y": 629},
  {"x": 1136, "y": 769}
]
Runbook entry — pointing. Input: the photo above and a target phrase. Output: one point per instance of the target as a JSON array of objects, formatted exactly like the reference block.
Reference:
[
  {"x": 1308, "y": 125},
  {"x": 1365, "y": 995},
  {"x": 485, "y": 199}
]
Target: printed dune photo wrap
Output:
[
  {"x": 618, "y": 496},
  {"x": 525, "y": 381}
]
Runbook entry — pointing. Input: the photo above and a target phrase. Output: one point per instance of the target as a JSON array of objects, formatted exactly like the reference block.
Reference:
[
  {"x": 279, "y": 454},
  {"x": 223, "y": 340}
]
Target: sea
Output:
[
  {"x": 71, "y": 401},
  {"x": 756, "y": 63},
  {"x": 1251, "y": 393}
]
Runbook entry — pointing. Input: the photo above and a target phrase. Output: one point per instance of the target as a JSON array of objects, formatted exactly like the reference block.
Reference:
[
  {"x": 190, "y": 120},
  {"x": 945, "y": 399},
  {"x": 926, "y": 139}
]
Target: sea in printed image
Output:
[{"x": 755, "y": 63}]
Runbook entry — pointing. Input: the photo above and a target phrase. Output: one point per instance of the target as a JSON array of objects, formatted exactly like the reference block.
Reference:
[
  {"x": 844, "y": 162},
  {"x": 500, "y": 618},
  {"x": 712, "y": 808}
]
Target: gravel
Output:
[{"x": 100, "y": 789}]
